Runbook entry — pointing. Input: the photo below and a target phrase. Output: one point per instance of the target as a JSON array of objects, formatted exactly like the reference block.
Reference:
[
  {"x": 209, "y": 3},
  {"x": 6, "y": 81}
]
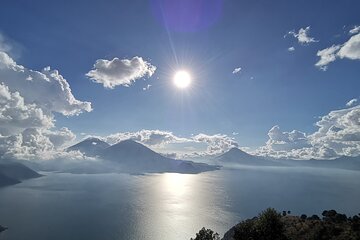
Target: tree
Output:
[
  {"x": 206, "y": 234},
  {"x": 267, "y": 226},
  {"x": 270, "y": 225}
]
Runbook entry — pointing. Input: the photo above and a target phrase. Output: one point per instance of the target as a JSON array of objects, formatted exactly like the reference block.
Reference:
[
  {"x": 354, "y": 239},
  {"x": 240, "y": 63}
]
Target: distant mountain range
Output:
[
  {"x": 13, "y": 173},
  {"x": 237, "y": 156},
  {"x": 134, "y": 157}
]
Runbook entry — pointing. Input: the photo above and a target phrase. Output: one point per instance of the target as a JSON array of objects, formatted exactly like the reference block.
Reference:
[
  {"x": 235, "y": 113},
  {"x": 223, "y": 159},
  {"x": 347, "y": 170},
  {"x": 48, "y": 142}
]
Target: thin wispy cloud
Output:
[
  {"x": 352, "y": 102},
  {"x": 291, "y": 49},
  {"x": 354, "y": 30},
  {"x": 147, "y": 87},
  {"x": 236, "y": 70}
]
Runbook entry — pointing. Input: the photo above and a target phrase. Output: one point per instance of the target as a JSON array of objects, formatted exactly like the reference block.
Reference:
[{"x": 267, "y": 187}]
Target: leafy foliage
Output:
[
  {"x": 267, "y": 226},
  {"x": 206, "y": 234}
]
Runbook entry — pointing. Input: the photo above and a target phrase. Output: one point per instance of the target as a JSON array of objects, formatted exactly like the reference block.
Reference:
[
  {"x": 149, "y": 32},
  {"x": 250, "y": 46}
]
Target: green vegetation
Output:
[
  {"x": 267, "y": 226},
  {"x": 206, "y": 234},
  {"x": 272, "y": 225}
]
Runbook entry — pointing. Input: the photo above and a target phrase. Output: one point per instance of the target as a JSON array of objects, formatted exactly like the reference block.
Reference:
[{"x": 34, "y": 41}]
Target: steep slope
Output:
[
  {"x": 12, "y": 173},
  {"x": 17, "y": 171},
  {"x": 135, "y": 157},
  {"x": 90, "y": 146},
  {"x": 5, "y": 180}
]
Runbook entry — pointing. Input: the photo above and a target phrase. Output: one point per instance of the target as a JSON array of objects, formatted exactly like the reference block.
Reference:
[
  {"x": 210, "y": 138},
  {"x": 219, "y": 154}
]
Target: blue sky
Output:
[{"x": 275, "y": 86}]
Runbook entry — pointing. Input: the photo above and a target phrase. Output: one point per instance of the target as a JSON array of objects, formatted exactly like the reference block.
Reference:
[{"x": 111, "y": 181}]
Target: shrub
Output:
[
  {"x": 206, "y": 234},
  {"x": 267, "y": 226}
]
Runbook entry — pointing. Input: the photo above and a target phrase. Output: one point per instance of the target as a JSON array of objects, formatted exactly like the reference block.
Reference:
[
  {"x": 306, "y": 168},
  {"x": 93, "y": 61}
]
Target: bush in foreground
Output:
[
  {"x": 267, "y": 226},
  {"x": 206, "y": 234}
]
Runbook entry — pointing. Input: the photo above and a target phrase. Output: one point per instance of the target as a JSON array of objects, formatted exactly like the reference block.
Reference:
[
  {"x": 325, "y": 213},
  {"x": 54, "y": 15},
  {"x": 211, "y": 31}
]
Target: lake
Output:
[{"x": 166, "y": 206}]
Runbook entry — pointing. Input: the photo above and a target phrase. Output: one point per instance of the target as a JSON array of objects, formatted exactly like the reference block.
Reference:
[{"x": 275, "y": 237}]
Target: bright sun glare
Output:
[{"x": 182, "y": 79}]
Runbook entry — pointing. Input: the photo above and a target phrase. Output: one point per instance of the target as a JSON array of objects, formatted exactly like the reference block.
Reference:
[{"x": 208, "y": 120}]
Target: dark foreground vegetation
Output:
[
  {"x": 2, "y": 228},
  {"x": 272, "y": 225}
]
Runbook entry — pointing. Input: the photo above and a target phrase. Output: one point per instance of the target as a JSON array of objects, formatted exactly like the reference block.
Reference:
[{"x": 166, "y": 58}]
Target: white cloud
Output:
[
  {"x": 215, "y": 144},
  {"x": 351, "y": 102},
  {"x": 338, "y": 134},
  {"x": 354, "y": 30},
  {"x": 36, "y": 144},
  {"x": 350, "y": 50},
  {"x": 47, "y": 89},
  {"x": 291, "y": 49},
  {"x": 15, "y": 115},
  {"x": 147, "y": 137},
  {"x": 327, "y": 56},
  {"x": 28, "y": 101},
  {"x": 120, "y": 72},
  {"x": 236, "y": 70},
  {"x": 303, "y": 36}
]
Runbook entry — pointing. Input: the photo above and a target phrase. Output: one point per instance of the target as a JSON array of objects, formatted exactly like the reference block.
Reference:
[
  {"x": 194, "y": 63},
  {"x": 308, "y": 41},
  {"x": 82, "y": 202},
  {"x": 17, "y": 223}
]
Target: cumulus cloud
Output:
[
  {"x": 147, "y": 137},
  {"x": 338, "y": 134},
  {"x": 236, "y": 70},
  {"x": 350, "y": 50},
  {"x": 351, "y": 102},
  {"x": 217, "y": 143},
  {"x": 16, "y": 115},
  {"x": 303, "y": 35},
  {"x": 36, "y": 144},
  {"x": 47, "y": 89},
  {"x": 120, "y": 72},
  {"x": 28, "y": 101}
]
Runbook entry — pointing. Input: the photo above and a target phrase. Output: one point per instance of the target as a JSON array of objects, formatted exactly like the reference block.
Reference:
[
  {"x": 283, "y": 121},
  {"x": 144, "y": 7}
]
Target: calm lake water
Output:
[{"x": 166, "y": 206}]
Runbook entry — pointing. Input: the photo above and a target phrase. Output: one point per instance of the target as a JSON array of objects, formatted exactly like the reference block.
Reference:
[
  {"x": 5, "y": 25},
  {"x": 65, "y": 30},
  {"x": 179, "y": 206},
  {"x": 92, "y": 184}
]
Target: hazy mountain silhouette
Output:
[
  {"x": 134, "y": 157},
  {"x": 237, "y": 156},
  {"x": 13, "y": 172},
  {"x": 344, "y": 162},
  {"x": 90, "y": 146}
]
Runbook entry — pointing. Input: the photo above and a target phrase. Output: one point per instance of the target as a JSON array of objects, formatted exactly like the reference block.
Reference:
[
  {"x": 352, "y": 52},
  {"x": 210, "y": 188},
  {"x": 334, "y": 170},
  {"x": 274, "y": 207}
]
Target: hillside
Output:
[
  {"x": 271, "y": 225},
  {"x": 133, "y": 157},
  {"x": 12, "y": 173}
]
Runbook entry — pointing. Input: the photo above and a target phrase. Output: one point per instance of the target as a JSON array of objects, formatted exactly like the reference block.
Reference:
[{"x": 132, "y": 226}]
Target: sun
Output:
[{"x": 182, "y": 79}]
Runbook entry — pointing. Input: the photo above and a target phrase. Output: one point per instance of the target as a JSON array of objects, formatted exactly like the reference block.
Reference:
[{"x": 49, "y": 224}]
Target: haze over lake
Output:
[{"x": 167, "y": 206}]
